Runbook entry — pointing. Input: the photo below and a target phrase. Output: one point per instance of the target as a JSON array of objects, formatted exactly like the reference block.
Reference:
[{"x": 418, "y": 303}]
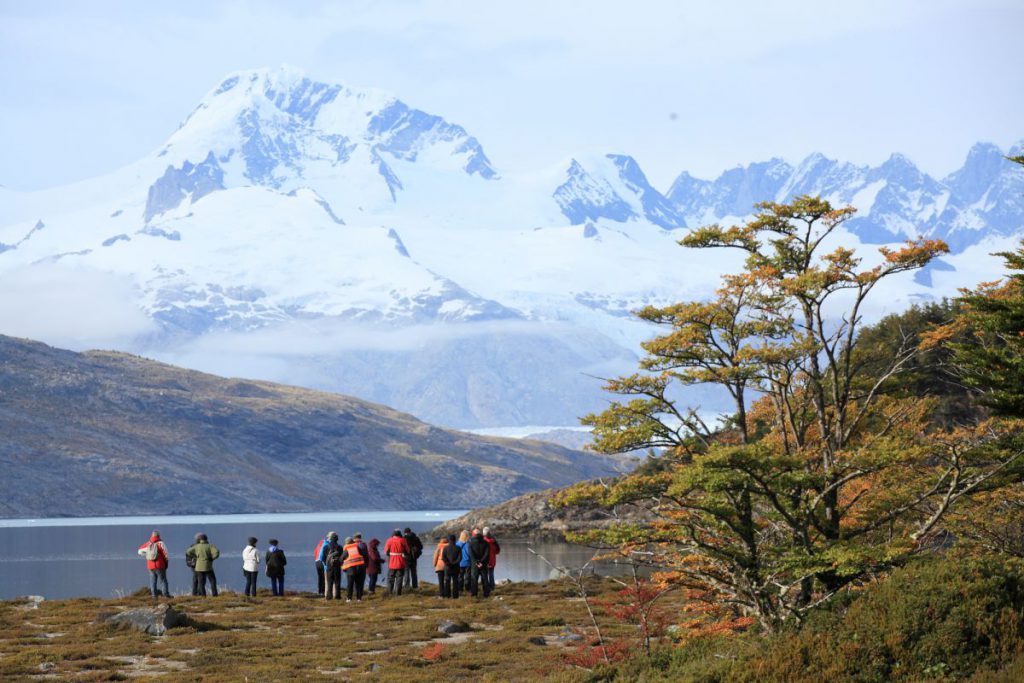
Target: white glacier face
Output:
[{"x": 341, "y": 238}]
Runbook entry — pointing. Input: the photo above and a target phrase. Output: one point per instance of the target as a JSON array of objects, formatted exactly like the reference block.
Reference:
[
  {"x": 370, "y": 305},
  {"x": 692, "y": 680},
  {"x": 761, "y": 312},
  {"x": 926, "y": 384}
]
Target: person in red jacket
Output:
[
  {"x": 395, "y": 550},
  {"x": 155, "y": 553},
  {"x": 492, "y": 560}
]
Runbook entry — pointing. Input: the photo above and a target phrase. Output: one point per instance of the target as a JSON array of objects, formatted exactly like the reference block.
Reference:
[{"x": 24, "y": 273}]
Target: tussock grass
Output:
[{"x": 299, "y": 637}]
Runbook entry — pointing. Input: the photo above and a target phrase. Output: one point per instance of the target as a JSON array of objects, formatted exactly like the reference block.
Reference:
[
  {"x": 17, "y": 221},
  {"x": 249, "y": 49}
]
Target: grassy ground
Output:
[{"x": 301, "y": 637}]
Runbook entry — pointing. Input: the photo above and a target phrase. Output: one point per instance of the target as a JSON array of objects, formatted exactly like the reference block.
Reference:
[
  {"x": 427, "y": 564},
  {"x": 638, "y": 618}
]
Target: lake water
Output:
[{"x": 61, "y": 558}]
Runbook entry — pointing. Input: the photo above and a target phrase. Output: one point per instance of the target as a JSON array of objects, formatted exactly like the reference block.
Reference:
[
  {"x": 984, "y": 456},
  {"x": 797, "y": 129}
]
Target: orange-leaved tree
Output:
[{"x": 819, "y": 479}]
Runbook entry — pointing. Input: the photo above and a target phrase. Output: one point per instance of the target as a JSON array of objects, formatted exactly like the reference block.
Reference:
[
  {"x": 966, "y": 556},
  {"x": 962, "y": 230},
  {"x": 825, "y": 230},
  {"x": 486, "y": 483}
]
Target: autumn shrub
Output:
[
  {"x": 433, "y": 652},
  {"x": 937, "y": 619}
]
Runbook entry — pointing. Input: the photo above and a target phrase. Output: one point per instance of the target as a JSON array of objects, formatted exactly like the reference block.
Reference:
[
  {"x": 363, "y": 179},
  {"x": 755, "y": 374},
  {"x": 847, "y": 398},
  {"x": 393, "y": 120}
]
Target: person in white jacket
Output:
[{"x": 250, "y": 566}]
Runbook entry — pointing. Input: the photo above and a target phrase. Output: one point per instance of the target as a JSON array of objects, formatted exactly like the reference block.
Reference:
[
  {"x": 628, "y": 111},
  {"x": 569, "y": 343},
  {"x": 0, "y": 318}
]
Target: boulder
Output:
[
  {"x": 152, "y": 620},
  {"x": 537, "y": 640},
  {"x": 29, "y": 601},
  {"x": 448, "y": 627},
  {"x": 569, "y": 636}
]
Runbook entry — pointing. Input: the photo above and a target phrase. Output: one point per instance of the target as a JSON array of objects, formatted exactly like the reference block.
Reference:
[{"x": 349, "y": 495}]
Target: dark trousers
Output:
[
  {"x": 452, "y": 575},
  {"x": 277, "y": 585},
  {"x": 371, "y": 583},
  {"x": 319, "y": 577},
  {"x": 411, "y": 579},
  {"x": 395, "y": 577},
  {"x": 332, "y": 583},
  {"x": 356, "y": 579},
  {"x": 202, "y": 578},
  {"x": 464, "y": 575},
  {"x": 161, "y": 575},
  {"x": 440, "y": 584},
  {"x": 477, "y": 580},
  {"x": 195, "y": 582},
  {"x": 250, "y": 582},
  {"x": 489, "y": 580}
]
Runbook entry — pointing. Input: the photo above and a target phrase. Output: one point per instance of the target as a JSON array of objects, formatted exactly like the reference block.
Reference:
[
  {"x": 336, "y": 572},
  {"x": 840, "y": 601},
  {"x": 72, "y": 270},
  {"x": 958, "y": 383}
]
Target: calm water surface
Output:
[{"x": 61, "y": 558}]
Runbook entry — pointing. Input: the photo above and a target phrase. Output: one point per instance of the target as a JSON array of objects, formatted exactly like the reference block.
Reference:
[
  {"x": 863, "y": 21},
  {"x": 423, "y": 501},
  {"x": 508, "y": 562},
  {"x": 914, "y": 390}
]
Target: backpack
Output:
[
  {"x": 153, "y": 552},
  {"x": 334, "y": 556}
]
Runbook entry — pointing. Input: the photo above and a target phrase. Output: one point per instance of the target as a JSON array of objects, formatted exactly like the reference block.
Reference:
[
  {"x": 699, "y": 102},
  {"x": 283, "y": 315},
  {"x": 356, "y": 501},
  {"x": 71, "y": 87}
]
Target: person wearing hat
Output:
[
  {"x": 204, "y": 553},
  {"x": 156, "y": 556},
  {"x": 396, "y": 550},
  {"x": 333, "y": 555},
  {"x": 354, "y": 565},
  {"x": 275, "y": 562}
]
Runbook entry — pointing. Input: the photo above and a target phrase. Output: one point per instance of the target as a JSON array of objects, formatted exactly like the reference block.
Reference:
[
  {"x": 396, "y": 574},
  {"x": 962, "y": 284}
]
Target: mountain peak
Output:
[
  {"x": 614, "y": 187},
  {"x": 278, "y": 128}
]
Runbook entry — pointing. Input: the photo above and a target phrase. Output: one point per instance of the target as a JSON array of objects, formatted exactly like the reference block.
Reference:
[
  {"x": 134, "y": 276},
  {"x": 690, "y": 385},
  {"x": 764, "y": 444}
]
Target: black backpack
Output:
[{"x": 334, "y": 555}]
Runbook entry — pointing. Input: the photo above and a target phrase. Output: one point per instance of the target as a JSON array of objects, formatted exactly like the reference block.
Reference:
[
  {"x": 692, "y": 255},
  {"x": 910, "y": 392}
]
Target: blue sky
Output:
[{"x": 697, "y": 86}]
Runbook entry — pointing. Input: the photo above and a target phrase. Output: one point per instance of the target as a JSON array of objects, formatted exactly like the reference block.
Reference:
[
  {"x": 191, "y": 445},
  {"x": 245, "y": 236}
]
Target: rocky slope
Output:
[
  {"x": 533, "y": 516},
  {"x": 104, "y": 433}
]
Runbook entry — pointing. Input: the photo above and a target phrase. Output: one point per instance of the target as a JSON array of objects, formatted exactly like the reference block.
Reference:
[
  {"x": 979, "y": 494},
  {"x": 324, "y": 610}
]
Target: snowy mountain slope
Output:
[
  {"x": 895, "y": 200},
  {"x": 338, "y": 237}
]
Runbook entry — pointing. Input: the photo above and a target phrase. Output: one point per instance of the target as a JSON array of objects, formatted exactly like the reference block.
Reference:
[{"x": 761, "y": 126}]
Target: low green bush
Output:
[{"x": 938, "y": 619}]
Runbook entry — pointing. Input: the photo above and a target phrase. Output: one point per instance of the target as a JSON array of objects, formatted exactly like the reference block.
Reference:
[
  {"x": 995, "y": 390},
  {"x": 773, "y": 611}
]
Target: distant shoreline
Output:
[{"x": 433, "y": 516}]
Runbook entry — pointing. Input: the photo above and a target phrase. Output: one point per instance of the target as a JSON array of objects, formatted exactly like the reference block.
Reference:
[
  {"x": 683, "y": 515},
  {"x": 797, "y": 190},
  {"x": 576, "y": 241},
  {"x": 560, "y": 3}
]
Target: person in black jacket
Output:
[
  {"x": 275, "y": 562},
  {"x": 452, "y": 556},
  {"x": 416, "y": 548},
  {"x": 479, "y": 552}
]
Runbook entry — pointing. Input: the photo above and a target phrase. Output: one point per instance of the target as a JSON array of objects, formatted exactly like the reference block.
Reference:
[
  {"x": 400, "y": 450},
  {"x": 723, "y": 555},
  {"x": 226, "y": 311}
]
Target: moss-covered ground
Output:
[{"x": 302, "y": 637}]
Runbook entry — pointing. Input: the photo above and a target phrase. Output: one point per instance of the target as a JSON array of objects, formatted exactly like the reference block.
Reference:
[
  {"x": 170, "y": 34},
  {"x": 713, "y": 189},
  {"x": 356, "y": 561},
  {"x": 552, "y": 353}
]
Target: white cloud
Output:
[{"x": 71, "y": 307}]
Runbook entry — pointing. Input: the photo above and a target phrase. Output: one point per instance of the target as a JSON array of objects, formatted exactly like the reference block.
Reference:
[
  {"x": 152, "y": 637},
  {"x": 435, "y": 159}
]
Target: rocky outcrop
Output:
[
  {"x": 191, "y": 180},
  {"x": 533, "y": 516}
]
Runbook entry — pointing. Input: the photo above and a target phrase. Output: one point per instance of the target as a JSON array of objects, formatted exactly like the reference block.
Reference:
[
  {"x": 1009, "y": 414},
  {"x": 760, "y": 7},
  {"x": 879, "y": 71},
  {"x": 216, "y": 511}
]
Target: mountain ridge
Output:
[{"x": 109, "y": 433}]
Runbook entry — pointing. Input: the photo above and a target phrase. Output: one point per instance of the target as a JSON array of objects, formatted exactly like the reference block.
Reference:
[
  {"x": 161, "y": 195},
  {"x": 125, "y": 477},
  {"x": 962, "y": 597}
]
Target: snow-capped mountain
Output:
[
  {"x": 339, "y": 238},
  {"x": 895, "y": 201}
]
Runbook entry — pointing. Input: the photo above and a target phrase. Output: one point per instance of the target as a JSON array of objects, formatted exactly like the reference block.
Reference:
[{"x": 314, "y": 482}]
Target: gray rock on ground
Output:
[
  {"x": 569, "y": 636},
  {"x": 152, "y": 620},
  {"x": 449, "y": 627}
]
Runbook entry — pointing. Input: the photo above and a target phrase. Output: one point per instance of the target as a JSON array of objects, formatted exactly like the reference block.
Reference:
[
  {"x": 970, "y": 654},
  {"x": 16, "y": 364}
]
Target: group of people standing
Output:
[
  {"x": 200, "y": 557},
  {"x": 463, "y": 565},
  {"x": 466, "y": 564}
]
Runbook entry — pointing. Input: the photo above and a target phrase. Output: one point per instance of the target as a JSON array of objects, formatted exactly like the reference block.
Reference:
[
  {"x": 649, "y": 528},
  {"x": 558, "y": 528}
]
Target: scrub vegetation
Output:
[{"x": 522, "y": 632}]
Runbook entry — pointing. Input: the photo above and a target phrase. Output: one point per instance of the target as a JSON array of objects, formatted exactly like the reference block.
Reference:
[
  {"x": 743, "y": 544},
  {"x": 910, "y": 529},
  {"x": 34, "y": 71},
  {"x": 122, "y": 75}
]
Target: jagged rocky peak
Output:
[
  {"x": 984, "y": 164},
  {"x": 613, "y": 187}
]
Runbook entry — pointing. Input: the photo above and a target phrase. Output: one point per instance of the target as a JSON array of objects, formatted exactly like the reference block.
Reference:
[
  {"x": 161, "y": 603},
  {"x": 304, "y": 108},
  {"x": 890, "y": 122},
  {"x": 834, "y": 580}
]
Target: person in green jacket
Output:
[{"x": 204, "y": 553}]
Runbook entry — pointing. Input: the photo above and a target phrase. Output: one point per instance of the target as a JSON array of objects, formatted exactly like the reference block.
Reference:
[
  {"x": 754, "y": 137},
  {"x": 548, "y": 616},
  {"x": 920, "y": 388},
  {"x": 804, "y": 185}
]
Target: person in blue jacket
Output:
[
  {"x": 318, "y": 554},
  {"x": 463, "y": 545}
]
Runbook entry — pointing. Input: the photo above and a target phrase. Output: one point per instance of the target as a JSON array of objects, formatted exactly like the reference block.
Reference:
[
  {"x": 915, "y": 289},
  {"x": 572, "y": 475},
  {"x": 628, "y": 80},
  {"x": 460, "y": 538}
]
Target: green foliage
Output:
[
  {"x": 933, "y": 620},
  {"x": 929, "y": 372},
  {"x": 991, "y": 359}
]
